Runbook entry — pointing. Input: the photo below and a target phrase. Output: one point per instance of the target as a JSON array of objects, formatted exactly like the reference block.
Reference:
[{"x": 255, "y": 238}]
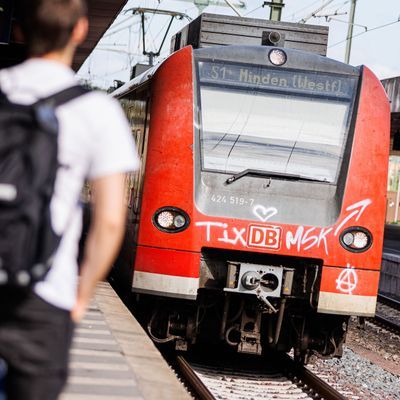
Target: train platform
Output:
[{"x": 112, "y": 357}]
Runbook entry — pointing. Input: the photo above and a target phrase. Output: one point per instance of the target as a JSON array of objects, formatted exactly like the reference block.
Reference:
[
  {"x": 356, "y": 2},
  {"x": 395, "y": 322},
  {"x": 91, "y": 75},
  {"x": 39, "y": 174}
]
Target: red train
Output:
[{"x": 257, "y": 217}]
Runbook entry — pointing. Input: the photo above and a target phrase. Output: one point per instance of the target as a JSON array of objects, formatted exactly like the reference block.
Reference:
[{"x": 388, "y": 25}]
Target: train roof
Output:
[
  {"x": 297, "y": 59},
  {"x": 248, "y": 55},
  {"x": 137, "y": 81},
  {"x": 216, "y": 30}
]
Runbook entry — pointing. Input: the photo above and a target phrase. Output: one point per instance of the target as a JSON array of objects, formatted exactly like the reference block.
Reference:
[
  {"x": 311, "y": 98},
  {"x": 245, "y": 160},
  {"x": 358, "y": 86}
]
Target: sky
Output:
[{"x": 376, "y": 33}]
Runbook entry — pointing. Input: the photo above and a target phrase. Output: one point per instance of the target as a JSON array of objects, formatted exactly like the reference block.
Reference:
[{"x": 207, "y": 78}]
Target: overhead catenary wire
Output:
[
  {"x": 367, "y": 31},
  {"x": 122, "y": 22},
  {"x": 303, "y": 8},
  {"x": 101, "y": 76},
  {"x": 121, "y": 51},
  {"x": 124, "y": 25},
  {"x": 334, "y": 8},
  {"x": 161, "y": 30},
  {"x": 110, "y": 44},
  {"x": 190, "y": 9},
  {"x": 346, "y": 22},
  {"x": 232, "y": 6},
  {"x": 121, "y": 29},
  {"x": 330, "y": 14},
  {"x": 152, "y": 17},
  {"x": 153, "y": 40},
  {"x": 255, "y": 9},
  {"x": 330, "y": 17},
  {"x": 312, "y": 14}
]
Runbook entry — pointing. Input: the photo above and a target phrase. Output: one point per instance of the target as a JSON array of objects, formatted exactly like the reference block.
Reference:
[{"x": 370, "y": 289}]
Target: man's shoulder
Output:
[
  {"x": 97, "y": 101},
  {"x": 97, "y": 112},
  {"x": 97, "y": 108}
]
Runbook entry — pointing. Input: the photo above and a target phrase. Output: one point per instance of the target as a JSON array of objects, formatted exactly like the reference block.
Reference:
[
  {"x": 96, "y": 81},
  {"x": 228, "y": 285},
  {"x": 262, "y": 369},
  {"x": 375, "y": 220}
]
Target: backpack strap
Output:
[
  {"x": 3, "y": 97},
  {"x": 66, "y": 95},
  {"x": 44, "y": 109}
]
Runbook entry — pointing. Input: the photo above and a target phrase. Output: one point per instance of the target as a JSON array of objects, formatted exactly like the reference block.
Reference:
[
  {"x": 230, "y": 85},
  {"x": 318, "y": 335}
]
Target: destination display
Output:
[{"x": 286, "y": 80}]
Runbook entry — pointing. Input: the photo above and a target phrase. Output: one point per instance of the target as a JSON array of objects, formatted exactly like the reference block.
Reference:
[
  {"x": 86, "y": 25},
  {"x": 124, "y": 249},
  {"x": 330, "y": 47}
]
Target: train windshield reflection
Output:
[{"x": 280, "y": 131}]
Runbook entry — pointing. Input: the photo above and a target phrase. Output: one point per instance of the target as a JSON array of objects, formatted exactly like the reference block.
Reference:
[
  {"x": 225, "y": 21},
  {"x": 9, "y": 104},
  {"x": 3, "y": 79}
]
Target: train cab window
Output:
[{"x": 283, "y": 121}]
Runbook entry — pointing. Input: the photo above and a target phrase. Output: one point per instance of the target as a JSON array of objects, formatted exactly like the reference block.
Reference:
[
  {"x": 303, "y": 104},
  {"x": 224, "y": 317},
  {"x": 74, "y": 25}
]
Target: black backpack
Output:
[{"x": 28, "y": 167}]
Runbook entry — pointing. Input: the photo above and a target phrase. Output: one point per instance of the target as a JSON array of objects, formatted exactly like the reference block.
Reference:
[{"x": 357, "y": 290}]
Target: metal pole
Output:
[
  {"x": 143, "y": 34},
  {"x": 350, "y": 31},
  {"x": 201, "y": 4},
  {"x": 276, "y": 9},
  {"x": 165, "y": 36}
]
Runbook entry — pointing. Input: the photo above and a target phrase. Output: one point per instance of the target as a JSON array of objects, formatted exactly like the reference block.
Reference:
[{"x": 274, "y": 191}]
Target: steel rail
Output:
[
  {"x": 316, "y": 384},
  {"x": 199, "y": 388},
  {"x": 386, "y": 323},
  {"x": 302, "y": 377},
  {"x": 389, "y": 301}
]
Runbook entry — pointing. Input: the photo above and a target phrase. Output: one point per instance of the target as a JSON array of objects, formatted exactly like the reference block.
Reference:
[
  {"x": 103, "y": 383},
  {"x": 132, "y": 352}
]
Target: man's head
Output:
[{"x": 52, "y": 25}]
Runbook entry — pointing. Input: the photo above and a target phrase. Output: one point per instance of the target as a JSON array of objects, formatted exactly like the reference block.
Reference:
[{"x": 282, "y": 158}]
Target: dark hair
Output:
[{"x": 47, "y": 24}]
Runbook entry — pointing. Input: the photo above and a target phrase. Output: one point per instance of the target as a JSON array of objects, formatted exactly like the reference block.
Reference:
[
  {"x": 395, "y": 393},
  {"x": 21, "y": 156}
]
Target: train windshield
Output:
[{"x": 273, "y": 120}]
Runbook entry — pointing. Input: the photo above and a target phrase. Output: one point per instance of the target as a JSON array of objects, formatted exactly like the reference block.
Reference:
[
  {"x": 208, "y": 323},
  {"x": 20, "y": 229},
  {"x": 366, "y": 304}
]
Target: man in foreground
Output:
[{"x": 94, "y": 143}]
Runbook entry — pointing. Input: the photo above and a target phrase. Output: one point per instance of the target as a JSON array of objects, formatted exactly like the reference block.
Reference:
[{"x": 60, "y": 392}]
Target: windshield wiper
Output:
[{"x": 267, "y": 174}]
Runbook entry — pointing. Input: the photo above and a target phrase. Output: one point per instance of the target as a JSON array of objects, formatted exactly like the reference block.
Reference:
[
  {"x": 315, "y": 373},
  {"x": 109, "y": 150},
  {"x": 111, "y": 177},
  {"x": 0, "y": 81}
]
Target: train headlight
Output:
[
  {"x": 170, "y": 219},
  {"x": 360, "y": 240},
  {"x": 277, "y": 57},
  {"x": 165, "y": 219},
  {"x": 356, "y": 239},
  {"x": 179, "y": 221}
]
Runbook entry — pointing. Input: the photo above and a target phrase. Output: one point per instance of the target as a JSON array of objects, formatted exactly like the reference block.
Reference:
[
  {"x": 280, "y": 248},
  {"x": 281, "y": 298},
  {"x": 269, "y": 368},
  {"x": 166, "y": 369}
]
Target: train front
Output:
[{"x": 264, "y": 199}]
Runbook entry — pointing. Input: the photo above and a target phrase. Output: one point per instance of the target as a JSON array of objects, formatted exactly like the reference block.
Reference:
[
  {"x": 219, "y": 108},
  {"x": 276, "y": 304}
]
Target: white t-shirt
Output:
[{"x": 94, "y": 141}]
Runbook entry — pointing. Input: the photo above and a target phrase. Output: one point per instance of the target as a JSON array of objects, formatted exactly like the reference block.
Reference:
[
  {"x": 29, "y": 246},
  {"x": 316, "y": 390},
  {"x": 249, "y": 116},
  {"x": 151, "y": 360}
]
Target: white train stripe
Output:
[
  {"x": 346, "y": 304},
  {"x": 174, "y": 285}
]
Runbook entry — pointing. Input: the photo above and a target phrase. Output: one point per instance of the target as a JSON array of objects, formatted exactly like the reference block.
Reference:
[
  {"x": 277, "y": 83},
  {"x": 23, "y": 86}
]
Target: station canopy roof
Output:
[{"x": 101, "y": 15}]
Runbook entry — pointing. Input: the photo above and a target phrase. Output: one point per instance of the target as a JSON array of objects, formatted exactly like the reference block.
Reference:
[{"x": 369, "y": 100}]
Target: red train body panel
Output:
[{"x": 169, "y": 263}]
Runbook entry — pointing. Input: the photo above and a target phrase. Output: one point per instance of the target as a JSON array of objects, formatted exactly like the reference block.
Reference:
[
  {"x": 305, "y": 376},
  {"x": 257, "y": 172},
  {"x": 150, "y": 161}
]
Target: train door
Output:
[{"x": 136, "y": 107}]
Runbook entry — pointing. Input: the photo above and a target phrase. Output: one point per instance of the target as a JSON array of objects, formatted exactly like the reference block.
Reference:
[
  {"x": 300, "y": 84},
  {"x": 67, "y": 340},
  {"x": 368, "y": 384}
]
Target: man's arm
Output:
[{"x": 104, "y": 238}]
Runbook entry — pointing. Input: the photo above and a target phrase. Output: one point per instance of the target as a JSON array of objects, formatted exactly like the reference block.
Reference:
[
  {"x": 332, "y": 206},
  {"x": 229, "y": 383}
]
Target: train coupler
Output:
[{"x": 250, "y": 332}]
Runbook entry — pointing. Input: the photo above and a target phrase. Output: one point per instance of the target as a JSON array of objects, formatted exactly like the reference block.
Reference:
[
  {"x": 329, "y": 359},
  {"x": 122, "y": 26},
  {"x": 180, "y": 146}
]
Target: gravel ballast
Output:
[{"x": 370, "y": 366}]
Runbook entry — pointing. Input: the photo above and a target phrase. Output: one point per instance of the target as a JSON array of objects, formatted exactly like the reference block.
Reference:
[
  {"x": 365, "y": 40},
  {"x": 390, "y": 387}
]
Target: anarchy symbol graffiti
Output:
[{"x": 347, "y": 280}]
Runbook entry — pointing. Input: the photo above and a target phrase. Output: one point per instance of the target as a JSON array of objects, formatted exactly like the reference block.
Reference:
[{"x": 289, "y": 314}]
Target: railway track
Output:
[
  {"x": 388, "y": 314},
  {"x": 386, "y": 323},
  {"x": 284, "y": 380},
  {"x": 389, "y": 301}
]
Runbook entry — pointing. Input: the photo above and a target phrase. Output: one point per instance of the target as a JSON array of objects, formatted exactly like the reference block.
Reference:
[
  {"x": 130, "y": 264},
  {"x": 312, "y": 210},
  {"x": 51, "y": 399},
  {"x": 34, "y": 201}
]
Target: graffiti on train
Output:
[{"x": 273, "y": 237}]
